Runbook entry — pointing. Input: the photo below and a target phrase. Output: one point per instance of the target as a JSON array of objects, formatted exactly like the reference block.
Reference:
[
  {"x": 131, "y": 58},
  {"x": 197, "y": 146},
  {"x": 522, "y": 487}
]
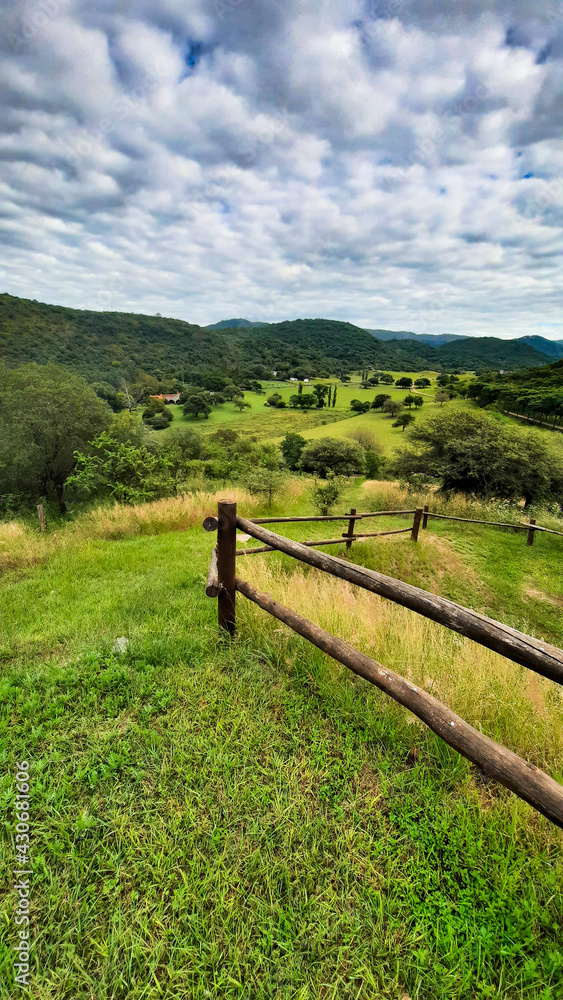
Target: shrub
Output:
[
  {"x": 333, "y": 455},
  {"x": 291, "y": 448},
  {"x": 324, "y": 495}
]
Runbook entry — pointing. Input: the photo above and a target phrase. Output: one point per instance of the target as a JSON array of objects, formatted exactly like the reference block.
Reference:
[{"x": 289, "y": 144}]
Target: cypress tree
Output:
[
  {"x": 300, "y": 389},
  {"x": 334, "y": 396}
]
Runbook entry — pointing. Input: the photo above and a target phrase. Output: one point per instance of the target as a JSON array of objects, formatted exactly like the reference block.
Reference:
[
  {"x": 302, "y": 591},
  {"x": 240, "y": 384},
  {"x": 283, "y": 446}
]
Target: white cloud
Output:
[{"x": 394, "y": 164}]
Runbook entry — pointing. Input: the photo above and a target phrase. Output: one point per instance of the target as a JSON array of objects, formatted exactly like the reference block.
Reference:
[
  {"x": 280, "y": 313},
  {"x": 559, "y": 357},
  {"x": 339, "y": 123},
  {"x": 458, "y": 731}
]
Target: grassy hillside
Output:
[{"x": 249, "y": 821}]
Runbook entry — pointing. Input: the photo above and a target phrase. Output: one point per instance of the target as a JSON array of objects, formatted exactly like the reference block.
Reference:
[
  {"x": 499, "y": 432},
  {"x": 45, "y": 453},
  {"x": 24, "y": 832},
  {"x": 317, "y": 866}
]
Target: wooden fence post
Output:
[
  {"x": 425, "y": 516},
  {"x": 226, "y": 564},
  {"x": 531, "y": 532},
  {"x": 41, "y": 516},
  {"x": 351, "y": 524},
  {"x": 416, "y": 524}
]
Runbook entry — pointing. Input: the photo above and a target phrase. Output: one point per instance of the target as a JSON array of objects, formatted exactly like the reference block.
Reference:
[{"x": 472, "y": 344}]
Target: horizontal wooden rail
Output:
[
  {"x": 524, "y": 649},
  {"x": 472, "y": 520},
  {"x": 327, "y": 517},
  {"x": 377, "y": 534},
  {"x": 524, "y": 779},
  {"x": 327, "y": 541},
  {"x": 538, "y": 527}
]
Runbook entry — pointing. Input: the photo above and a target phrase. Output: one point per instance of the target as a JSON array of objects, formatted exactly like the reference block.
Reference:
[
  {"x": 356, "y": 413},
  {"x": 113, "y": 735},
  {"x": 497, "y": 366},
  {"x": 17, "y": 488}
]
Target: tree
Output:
[
  {"x": 442, "y": 397},
  {"x": 472, "y": 452},
  {"x": 320, "y": 392},
  {"x": 404, "y": 382},
  {"x": 403, "y": 420},
  {"x": 121, "y": 470},
  {"x": 182, "y": 448},
  {"x": 46, "y": 414},
  {"x": 294, "y": 401},
  {"x": 372, "y": 448},
  {"x": 345, "y": 378},
  {"x": 343, "y": 458},
  {"x": 324, "y": 495},
  {"x": 386, "y": 379},
  {"x": 114, "y": 399},
  {"x": 379, "y": 400},
  {"x": 261, "y": 480},
  {"x": 307, "y": 400},
  {"x": 196, "y": 403},
  {"x": 334, "y": 395},
  {"x": 392, "y": 407},
  {"x": 274, "y": 399},
  {"x": 422, "y": 383},
  {"x": 418, "y": 401},
  {"x": 156, "y": 414},
  {"x": 291, "y": 448},
  {"x": 241, "y": 404},
  {"x": 442, "y": 379},
  {"x": 409, "y": 400},
  {"x": 358, "y": 406}
]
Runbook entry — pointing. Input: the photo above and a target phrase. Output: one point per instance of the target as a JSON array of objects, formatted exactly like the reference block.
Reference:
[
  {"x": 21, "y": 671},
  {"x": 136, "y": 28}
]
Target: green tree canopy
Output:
[
  {"x": 341, "y": 457},
  {"x": 291, "y": 448},
  {"x": 196, "y": 403},
  {"x": 392, "y": 407},
  {"x": 403, "y": 420},
  {"x": 477, "y": 454},
  {"x": 46, "y": 414}
]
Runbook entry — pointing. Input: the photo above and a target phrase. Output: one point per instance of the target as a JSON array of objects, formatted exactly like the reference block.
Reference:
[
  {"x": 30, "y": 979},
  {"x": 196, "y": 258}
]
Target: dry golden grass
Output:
[
  {"x": 384, "y": 495},
  {"x": 22, "y": 545},
  {"x": 507, "y": 702}
]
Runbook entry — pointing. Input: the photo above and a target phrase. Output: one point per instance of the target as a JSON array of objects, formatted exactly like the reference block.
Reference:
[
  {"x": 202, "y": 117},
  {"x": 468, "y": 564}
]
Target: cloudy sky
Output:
[{"x": 395, "y": 163}]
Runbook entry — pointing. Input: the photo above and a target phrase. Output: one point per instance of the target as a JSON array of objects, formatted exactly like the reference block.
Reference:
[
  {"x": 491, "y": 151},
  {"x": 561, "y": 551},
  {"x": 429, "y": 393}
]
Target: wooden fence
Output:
[{"x": 526, "y": 780}]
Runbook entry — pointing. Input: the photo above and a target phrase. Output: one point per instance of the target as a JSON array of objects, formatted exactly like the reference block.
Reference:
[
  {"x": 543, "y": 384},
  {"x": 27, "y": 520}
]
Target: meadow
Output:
[
  {"x": 267, "y": 424},
  {"x": 248, "y": 820}
]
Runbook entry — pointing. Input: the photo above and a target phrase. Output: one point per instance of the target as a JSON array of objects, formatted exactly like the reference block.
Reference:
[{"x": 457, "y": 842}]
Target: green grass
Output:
[
  {"x": 267, "y": 424},
  {"x": 250, "y": 821}
]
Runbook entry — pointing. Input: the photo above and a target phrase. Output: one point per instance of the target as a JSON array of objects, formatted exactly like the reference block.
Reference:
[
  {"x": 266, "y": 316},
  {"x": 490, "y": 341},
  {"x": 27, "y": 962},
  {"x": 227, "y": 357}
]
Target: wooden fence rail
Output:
[
  {"x": 517, "y": 646},
  {"x": 527, "y": 781}
]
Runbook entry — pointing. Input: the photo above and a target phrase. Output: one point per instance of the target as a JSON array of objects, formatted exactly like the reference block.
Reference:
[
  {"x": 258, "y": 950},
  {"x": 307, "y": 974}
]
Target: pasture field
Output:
[
  {"x": 268, "y": 424},
  {"x": 248, "y": 820}
]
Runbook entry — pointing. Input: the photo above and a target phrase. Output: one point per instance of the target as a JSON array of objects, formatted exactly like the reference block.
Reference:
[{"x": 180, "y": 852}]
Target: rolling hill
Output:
[{"x": 112, "y": 346}]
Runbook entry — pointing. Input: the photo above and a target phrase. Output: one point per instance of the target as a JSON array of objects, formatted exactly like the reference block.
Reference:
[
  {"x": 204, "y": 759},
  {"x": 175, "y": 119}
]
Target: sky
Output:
[{"x": 393, "y": 163}]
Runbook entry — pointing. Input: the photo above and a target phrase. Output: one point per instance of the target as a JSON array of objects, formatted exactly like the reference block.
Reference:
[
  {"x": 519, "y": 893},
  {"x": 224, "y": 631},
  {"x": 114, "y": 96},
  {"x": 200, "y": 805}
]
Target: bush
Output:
[
  {"x": 291, "y": 448},
  {"x": 333, "y": 455},
  {"x": 380, "y": 400},
  {"x": 325, "y": 495}
]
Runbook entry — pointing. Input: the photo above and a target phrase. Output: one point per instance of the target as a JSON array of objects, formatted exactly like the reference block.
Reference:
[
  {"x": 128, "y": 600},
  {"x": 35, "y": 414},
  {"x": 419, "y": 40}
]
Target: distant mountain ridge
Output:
[
  {"x": 551, "y": 348},
  {"x": 234, "y": 324},
  {"x": 114, "y": 347}
]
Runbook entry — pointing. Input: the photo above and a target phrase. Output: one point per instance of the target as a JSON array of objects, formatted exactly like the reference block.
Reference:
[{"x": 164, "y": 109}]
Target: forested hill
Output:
[{"x": 108, "y": 346}]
